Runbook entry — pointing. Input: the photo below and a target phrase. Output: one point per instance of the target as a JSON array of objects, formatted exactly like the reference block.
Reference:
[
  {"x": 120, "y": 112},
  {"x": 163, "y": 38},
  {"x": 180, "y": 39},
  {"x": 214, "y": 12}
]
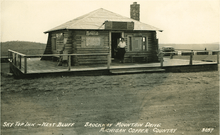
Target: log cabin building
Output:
[{"x": 99, "y": 32}]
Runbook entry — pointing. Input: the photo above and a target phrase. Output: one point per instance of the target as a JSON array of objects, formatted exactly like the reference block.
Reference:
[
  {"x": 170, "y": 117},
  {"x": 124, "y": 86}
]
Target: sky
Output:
[{"x": 182, "y": 21}]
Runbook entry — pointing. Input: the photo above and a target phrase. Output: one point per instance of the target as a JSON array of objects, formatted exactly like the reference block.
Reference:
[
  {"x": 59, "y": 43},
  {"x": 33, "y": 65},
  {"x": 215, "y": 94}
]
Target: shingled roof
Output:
[{"x": 95, "y": 21}]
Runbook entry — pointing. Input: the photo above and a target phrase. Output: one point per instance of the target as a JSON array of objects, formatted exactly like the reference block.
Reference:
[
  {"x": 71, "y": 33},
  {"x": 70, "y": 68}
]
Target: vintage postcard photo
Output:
[{"x": 110, "y": 67}]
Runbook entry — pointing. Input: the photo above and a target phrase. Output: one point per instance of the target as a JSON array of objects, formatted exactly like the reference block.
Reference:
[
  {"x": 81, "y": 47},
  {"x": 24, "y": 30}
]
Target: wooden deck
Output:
[
  {"x": 28, "y": 65},
  {"x": 35, "y": 65}
]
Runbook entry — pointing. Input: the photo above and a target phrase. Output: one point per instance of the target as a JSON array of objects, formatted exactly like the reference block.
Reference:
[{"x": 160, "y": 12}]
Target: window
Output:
[
  {"x": 145, "y": 43},
  {"x": 137, "y": 43},
  {"x": 53, "y": 43},
  {"x": 57, "y": 41},
  {"x": 93, "y": 41}
]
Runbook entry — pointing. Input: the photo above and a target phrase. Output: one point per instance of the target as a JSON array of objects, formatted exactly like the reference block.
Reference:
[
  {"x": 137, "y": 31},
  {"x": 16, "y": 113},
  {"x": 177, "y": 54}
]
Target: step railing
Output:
[{"x": 20, "y": 61}]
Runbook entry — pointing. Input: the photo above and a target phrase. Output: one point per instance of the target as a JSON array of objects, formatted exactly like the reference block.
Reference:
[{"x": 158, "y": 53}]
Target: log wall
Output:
[{"x": 84, "y": 43}]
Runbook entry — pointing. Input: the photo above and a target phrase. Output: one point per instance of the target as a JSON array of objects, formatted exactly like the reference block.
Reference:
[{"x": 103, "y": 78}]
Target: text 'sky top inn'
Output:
[{"x": 99, "y": 32}]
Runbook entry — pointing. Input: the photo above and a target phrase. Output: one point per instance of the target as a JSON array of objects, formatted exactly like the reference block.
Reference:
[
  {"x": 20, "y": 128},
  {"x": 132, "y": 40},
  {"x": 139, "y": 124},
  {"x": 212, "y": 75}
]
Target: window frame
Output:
[
  {"x": 53, "y": 43},
  {"x": 93, "y": 36},
  {"x": 144, "y": 42},
  {"x": 145, "y": 45}
]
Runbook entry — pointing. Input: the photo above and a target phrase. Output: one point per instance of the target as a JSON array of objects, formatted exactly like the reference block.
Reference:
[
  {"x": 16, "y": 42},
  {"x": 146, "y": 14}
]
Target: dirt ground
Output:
[{"x": 156, "y": 103}]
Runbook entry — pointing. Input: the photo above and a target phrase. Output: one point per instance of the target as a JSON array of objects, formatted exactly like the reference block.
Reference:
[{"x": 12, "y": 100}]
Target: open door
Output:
[{"x": 115, "y": 40}]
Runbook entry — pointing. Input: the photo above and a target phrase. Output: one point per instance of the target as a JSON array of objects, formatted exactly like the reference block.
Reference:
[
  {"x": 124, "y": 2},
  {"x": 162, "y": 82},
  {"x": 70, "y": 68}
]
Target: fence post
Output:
[
  {"x": 10, "y": 60},
  {"x": 191, "y": 58},
  {"x": 19, "y": 61},
  {"x": 218, "y": 57},
  {"x": 108, "y": 62},
  {"x": 15, "y": 61},
  {"x": 69, "y": 59},
  {"x": 8, "y": 56},
  {"x": 11, "y": 56},
  {"x": 25, "y": 64},
  {"x": 161, "y": 59}
]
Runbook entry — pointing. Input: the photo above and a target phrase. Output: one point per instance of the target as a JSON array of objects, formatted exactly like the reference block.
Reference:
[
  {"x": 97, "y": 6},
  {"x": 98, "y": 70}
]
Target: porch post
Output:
[
  {"x": 10, "y": 61},
  {"x": 109, "y": 59},
  {"x": 25, "y": 64},
  {"x": 110, "y": 50},
  {"x": 191, "y": 56},
  {"x": 19, "y": 61},
  {"x": 161, "y": 59},
  {"x": 69, "y": 57},
  {"x": 8, "y": 55},
  {"x": 11, "y": 57},
  {"x": 15, "y": 60}
]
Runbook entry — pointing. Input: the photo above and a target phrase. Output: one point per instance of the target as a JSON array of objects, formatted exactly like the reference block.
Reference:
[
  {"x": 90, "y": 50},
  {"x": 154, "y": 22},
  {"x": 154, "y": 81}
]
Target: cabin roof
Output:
[{"x": 95, "y": 20}]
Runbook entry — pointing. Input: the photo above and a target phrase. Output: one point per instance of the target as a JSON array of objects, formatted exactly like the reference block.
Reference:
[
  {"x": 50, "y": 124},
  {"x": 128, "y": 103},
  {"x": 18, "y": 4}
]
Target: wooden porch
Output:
[{"x": 29, "y": 64}]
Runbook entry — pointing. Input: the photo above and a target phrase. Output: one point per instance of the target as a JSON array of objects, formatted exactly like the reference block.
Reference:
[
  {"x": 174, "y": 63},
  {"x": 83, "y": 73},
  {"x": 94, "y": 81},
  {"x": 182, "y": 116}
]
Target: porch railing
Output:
[
  {"x": 190, "y": 52},
  {"x": 20, "y": 61}
]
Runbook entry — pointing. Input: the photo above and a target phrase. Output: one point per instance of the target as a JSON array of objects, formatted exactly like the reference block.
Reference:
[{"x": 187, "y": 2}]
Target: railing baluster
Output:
[
  {"x": 25, "y": 64},
  {"x": 161, "y": 59},
  {"x": 108, "y": 61},
  {"x": 15, "y": 59},
  {"x": 191, "y": 58},
  {"x": 218, "y": 57},
  {"x": 10, "y": 53},
  {"x": 8, "y": 56},
  {"x": 12, "y": 57},
  {"x": 69, "y": 59},
  {"x": 19, "y": 61}
]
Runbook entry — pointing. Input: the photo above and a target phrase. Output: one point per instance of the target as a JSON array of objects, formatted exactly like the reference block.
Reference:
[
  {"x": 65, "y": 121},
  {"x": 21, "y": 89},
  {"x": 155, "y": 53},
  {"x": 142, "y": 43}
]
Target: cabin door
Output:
[{"x": 115, "y": 40}]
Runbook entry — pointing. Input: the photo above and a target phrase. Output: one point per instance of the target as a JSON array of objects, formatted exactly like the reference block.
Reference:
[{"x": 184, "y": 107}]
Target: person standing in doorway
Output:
[{"x": 121, "y": 50}]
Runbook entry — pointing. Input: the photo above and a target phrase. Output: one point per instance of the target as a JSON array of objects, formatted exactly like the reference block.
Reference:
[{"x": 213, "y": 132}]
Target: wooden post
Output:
[
  {"x": 8, "y": 56},
  {"x": 191, "y": 57},
  {"x": 69, "y": 58},
  {"x": 218, "y": 57},
  {"x": 110, "y": 50},
  {"x": 11, "y": 55},
  {"x": 25, "y": 64},
  {"x": 19, "y": 61},
  {"x": 14, "y": 59},
  {"x": 161, "y": 59},
  {"x": 108, "y": 62}
]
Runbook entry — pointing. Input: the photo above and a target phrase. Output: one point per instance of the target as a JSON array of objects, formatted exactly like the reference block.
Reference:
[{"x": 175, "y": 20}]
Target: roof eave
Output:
[
  {"x": 93, "y": 29},
  {"x": 54, "y": 30}
]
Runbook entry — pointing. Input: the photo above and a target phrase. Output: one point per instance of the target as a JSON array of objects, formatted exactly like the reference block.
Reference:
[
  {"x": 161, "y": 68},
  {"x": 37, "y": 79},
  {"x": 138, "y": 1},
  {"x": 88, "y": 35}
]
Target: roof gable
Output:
[{"x": 95, "y": 20}]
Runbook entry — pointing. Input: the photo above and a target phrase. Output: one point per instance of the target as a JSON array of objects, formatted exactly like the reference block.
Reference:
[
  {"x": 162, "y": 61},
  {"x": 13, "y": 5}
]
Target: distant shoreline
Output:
[{"x": 208, "y": 46}]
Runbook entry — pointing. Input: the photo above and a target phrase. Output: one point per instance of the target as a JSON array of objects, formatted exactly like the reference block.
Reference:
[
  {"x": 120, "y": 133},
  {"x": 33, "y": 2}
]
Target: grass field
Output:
[{"x": 188, "y": 103}]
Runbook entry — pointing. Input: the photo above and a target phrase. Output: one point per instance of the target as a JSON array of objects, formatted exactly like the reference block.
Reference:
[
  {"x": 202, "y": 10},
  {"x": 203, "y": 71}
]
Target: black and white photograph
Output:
[{"x": 110, "y": 67}]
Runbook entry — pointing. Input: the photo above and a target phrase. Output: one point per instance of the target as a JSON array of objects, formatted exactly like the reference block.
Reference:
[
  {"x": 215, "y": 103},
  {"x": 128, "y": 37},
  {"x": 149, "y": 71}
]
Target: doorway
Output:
[{"x": 115, "y": 40}]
